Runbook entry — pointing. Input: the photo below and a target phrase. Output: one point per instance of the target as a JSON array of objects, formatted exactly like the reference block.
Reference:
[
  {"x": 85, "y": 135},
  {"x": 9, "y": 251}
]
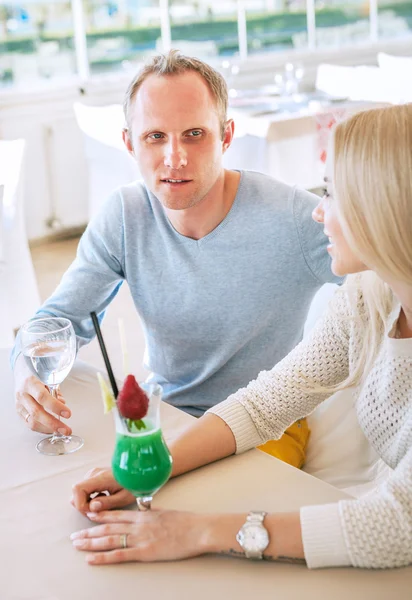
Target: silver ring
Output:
[
  {"x": 24, "y": 413},
  {"x": 123, "y": 540}
]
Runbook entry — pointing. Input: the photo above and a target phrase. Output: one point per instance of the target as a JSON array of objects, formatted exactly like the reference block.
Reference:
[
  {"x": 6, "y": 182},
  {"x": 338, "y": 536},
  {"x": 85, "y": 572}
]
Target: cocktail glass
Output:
[
  {"x": 49, "y": 349},
  {"x": 141, "y": 460}
]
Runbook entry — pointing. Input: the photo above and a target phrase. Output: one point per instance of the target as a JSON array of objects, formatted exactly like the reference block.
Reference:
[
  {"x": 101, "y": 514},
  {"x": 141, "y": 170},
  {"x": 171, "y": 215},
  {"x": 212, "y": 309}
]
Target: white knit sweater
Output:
[{"x": 374, "y": 531}]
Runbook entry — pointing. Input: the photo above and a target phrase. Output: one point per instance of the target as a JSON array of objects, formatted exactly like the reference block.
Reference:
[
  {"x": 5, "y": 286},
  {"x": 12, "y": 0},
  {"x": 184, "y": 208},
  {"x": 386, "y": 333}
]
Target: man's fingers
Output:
[
  {"x": 41, "y": 395},
  {"x": 59, "y": 395},
  {"x": 39, "y": 419},
  {"x": 29, "y": 421}
]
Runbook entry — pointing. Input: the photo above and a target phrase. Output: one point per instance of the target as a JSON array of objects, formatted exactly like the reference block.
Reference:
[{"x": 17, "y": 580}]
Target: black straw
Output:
[{"x": 105, "y": 355}]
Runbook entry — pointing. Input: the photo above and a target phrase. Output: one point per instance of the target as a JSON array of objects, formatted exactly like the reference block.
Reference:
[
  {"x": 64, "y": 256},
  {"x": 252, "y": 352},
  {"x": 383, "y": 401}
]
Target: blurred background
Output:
[
  {"x": 56, "y": 53},
  {"x": 293, "y": 68}
]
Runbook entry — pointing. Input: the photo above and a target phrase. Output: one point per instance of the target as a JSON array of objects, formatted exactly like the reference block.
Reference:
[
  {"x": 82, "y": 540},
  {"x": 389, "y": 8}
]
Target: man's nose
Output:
[
  {"x": 175, "y": 155},
  {"x": 318, "y": 212}
]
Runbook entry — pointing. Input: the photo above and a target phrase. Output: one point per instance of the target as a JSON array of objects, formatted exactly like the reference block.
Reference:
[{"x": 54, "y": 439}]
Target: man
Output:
[{"x": 222, "y": 265}]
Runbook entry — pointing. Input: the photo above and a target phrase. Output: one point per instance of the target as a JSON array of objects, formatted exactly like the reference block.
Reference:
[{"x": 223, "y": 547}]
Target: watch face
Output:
[{"x": 255, "y": 538}]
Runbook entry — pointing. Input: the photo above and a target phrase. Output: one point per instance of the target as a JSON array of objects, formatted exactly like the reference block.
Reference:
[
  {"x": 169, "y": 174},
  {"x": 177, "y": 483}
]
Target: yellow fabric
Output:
[{"x": 291, "y": 447}]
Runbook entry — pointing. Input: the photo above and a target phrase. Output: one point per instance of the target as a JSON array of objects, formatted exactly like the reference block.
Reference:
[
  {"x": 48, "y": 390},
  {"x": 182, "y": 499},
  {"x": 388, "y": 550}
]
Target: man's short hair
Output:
[{"x": 174, "y": 63}]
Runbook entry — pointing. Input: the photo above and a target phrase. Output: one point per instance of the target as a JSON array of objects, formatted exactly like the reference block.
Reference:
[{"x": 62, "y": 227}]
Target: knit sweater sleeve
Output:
[
  {"x": 374, "y": 531},
  {"x": 277, "y": 398}
]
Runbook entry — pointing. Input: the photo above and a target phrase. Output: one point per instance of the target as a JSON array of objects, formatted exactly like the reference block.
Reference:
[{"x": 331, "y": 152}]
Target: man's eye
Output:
[
  {"x": 195, "y": 133},
  {"x": 155, "y": 136}
]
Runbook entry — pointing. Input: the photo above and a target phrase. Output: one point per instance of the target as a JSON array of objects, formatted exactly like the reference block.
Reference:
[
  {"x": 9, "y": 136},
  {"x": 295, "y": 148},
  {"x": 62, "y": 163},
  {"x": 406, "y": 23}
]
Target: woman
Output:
[{"x": 364, "y": 341}]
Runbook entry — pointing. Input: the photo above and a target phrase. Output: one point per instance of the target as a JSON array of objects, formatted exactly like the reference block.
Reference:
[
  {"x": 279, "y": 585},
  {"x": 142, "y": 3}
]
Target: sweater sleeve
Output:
[
  {"x": 277, "y": 398},
  {"x": 370, "y": 532},
  {"x": 312, "y": 240},
  {"x": 94, "y": 277}
]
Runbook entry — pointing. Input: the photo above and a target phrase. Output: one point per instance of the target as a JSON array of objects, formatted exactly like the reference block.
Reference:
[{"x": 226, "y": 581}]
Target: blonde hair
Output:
[
  {"x": 175, "y": 63},
  {"x": 373, "y": 189}
]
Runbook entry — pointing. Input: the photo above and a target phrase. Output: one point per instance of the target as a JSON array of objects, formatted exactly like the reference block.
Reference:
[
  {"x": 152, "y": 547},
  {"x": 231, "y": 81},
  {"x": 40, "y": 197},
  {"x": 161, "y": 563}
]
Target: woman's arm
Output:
[
  {"x": 285, "y": 536},
  {"x": 172, "y": 535},
  {"x": 211, "y": 438},
  {"x": 370, "y": 532}
]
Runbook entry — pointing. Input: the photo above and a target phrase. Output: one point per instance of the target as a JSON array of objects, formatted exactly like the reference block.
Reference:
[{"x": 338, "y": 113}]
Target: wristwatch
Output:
[{"x": 253, "y": 536}]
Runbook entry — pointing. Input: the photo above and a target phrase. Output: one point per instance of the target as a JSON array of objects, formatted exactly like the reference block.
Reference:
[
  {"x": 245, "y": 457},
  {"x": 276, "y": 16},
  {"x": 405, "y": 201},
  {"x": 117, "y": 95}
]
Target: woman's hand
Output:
[
  {"x": 153, "y": 535},
  {"x": 101, "y": 482}
]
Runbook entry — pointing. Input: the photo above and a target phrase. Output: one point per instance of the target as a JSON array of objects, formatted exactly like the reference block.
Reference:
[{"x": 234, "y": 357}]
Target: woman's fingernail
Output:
[
  {"x": 78, "y": 543},
  {"x": 96, "y": 505},
  {"x": 91, "y": 515},
  {"x": 75, "y": 535},
  {"x": 62, "y": 430},
  {"x": 65, "y": 414},
  {"x": 90, "y": 558}
]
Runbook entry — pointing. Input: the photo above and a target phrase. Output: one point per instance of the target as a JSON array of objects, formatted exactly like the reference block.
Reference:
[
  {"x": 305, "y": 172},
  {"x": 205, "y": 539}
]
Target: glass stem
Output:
[
  {"x": 56, "y": 437},
  {"x": 144, "y": 503}
]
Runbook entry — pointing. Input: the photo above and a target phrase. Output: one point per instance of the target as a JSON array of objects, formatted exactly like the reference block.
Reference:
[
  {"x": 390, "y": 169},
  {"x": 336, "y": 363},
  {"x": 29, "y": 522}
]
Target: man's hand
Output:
[
  {"x": 99, "y": 481},
  {"x": 35, "y": 404}
]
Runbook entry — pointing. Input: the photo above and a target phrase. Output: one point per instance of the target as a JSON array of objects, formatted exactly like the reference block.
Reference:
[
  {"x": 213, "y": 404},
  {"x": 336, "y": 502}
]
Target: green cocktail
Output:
[{"x": 141, "y": 462}]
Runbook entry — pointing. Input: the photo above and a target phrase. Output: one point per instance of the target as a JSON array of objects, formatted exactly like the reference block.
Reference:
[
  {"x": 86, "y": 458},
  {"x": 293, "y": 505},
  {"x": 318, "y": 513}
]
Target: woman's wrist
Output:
[
  {"x": 219, "y": 533},
  {"x": 218, "y": 536}
]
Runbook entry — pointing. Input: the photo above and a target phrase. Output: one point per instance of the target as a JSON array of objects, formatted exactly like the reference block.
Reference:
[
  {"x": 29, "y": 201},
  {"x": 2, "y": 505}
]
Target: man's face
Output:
[{"x": 176, "y": 138}]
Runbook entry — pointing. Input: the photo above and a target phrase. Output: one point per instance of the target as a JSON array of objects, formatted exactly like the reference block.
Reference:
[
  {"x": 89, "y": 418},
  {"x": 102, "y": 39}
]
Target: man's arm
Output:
[{"x": 90, "y": 284}]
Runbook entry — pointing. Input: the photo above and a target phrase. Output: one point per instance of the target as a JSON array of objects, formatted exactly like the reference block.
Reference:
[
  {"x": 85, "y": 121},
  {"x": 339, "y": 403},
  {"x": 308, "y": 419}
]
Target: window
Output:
[
  {"x": 341, "y": 24},
  {"x": 395, "y": 18},
  {"x": 36, "y": 41},
  {"x": 50, "y": 40},
  {"x": 205, "y": 29},
  {"x": 120, "y": 33},
  {"x": 274, "y": 25}
]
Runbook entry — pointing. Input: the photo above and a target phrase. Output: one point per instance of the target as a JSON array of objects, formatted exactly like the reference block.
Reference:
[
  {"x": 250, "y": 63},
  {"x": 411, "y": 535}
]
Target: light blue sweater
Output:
[{"x": 215, "y": 311}]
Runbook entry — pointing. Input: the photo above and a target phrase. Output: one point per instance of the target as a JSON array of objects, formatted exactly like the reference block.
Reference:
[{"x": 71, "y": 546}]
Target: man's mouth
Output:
[{"x": 175, "y": 181}]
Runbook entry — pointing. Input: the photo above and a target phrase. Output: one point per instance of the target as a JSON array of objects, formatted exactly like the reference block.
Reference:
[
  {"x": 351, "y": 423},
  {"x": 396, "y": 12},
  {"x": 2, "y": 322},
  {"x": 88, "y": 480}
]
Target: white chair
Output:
[
  {"x": 389, "y": 82},
  {"x": 19, "y": 296},
  {"x": 6, "y": 333},
  {"x": 398, "y": 73},
  {"x": 109, "y": 164}
]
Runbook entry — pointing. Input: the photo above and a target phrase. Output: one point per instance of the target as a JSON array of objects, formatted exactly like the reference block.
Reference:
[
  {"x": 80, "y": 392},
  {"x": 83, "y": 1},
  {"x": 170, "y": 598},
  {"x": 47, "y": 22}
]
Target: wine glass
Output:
[
  {"x": 141, "y": 460},
  {"x": 49, "y": 348}
]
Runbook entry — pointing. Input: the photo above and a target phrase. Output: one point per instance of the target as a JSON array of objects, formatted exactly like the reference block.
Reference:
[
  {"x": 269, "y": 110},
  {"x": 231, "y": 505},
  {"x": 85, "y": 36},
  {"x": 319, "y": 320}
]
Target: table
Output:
[
  {"x": 37, "y": 561},
  {"x": 286, "y": 137}
]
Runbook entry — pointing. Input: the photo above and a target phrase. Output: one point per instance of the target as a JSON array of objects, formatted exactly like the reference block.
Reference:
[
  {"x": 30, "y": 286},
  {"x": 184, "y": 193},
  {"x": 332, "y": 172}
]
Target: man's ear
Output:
[
  {"x": 128, "y": 141},
  {"x": 228, "y": 134}
]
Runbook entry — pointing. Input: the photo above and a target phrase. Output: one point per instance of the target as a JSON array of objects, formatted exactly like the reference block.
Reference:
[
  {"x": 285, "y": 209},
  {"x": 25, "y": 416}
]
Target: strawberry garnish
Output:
[{"x": 132, "y": 401}]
